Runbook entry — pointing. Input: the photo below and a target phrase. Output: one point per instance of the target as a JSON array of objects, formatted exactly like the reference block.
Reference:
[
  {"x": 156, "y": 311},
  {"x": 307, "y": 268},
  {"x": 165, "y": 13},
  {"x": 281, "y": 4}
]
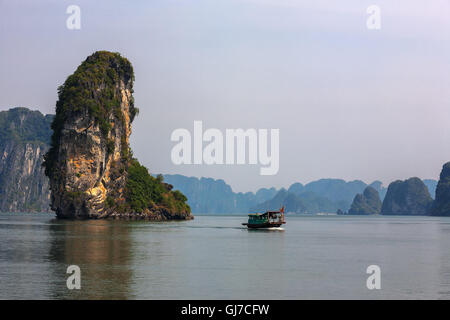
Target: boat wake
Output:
[
  {"x": 265, "y": 229},
  {"x": 276, "y": 229}
]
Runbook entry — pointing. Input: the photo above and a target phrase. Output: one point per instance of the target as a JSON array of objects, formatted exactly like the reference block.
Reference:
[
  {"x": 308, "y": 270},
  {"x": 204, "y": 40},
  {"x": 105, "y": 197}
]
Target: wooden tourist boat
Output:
[{"x": 269, "y": 219}]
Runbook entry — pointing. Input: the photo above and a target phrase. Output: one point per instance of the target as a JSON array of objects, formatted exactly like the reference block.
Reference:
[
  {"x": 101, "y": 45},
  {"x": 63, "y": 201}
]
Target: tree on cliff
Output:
[
  {"x": 441, "y": 204},
  {"x": 409, "y": 197},
  {"x": 366, "y": 203},
  {"x": 90, "y": 166}
]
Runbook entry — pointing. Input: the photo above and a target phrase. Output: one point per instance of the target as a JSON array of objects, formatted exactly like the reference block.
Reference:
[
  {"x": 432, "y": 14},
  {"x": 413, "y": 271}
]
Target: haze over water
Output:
[{"x": 213, "y": 257}]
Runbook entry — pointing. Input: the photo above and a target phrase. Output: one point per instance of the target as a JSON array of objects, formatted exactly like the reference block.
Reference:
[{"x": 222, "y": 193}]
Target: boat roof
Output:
[{"x": 261, "y": 214}]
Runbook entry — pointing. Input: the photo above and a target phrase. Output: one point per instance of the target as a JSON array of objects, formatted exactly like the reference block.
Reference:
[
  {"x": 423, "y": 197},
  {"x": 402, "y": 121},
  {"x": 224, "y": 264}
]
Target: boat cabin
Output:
[{"x": 268, "y": 219}]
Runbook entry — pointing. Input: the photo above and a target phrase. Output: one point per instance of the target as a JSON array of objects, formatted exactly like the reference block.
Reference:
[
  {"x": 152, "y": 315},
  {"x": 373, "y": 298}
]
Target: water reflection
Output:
[
  {"x": 23, "y": 246},
  {"x": 213, "y": 258},
  {"x": 102, "y": 251}
]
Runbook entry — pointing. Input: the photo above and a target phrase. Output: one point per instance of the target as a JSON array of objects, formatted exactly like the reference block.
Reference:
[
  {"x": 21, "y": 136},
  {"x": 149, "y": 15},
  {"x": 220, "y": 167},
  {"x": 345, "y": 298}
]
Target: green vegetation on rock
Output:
[
  {"x": 92, "y": 88},
  {"x": 144, "y": 191},
  {"x": 21, "y": 125}
]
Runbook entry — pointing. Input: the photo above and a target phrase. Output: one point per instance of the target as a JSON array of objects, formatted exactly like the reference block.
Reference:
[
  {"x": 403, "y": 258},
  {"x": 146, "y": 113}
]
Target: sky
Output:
[{"x": 350, "y": 103}]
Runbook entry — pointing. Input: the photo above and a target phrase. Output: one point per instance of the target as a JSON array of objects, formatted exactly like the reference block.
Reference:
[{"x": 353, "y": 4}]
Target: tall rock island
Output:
[
  {"x": 409, "y": 197},
  {"x": 441, "y": 204},
  {"x": 90, "y": 166}
]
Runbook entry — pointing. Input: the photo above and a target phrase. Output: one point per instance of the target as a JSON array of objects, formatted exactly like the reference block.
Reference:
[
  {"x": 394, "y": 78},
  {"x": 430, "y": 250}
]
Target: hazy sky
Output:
[{"x": 350, "y": 103}]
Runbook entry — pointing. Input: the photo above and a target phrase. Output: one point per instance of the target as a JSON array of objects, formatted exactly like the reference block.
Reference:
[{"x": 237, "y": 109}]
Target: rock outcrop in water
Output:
[
  {"x": 441, "y": 204},
  {"x": 409, "y": 197},
  {"x": 366, "y": 203},
  {"x": 90, "y": 166},
  {"x": 24, "y": 138}
]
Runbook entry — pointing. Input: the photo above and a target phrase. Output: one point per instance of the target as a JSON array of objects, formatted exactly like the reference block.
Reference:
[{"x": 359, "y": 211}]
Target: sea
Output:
[{"x": 215, "y": 257}]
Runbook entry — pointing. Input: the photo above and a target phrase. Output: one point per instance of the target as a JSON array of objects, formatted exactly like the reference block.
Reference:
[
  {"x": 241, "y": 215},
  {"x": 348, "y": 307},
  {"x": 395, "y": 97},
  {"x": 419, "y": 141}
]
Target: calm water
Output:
[{"x": 214, "y": 258}]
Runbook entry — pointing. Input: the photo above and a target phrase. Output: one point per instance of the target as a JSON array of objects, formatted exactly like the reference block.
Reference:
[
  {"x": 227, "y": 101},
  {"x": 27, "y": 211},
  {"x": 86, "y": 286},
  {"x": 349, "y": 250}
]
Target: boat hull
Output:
[{"x": 262, "y": 225}]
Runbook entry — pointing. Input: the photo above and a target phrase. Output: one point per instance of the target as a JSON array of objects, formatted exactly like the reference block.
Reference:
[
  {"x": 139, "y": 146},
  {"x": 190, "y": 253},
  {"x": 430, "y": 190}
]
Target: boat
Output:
[{"x": 266, "y": 220}]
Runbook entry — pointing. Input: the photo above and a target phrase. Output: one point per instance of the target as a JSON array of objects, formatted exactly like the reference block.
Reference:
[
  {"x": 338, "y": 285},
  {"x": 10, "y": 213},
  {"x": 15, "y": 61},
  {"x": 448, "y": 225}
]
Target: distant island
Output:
[
  {"x": 89, "y": 164},
  {"x": 24, "y": 139},
  {"x": 441, "y": 205},
  {"x": 366, "y": 203},
  {"x": 409, "y": 197}
]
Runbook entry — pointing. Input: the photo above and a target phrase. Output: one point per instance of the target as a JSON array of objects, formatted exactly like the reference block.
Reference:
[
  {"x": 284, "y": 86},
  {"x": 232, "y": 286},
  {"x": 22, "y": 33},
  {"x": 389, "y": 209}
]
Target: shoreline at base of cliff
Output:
[{"x": 136, "y": 216}]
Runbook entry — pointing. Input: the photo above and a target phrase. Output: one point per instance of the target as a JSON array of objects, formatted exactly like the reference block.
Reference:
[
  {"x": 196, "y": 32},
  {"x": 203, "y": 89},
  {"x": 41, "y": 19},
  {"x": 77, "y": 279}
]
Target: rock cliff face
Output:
[
  {"x": 89, "y": 164},
  {"x": 24, "y": 138},
  {"x": 441, "y": 205},
  {"x": 409, "y": 197},
  {"x": 366, "y": 203}
]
